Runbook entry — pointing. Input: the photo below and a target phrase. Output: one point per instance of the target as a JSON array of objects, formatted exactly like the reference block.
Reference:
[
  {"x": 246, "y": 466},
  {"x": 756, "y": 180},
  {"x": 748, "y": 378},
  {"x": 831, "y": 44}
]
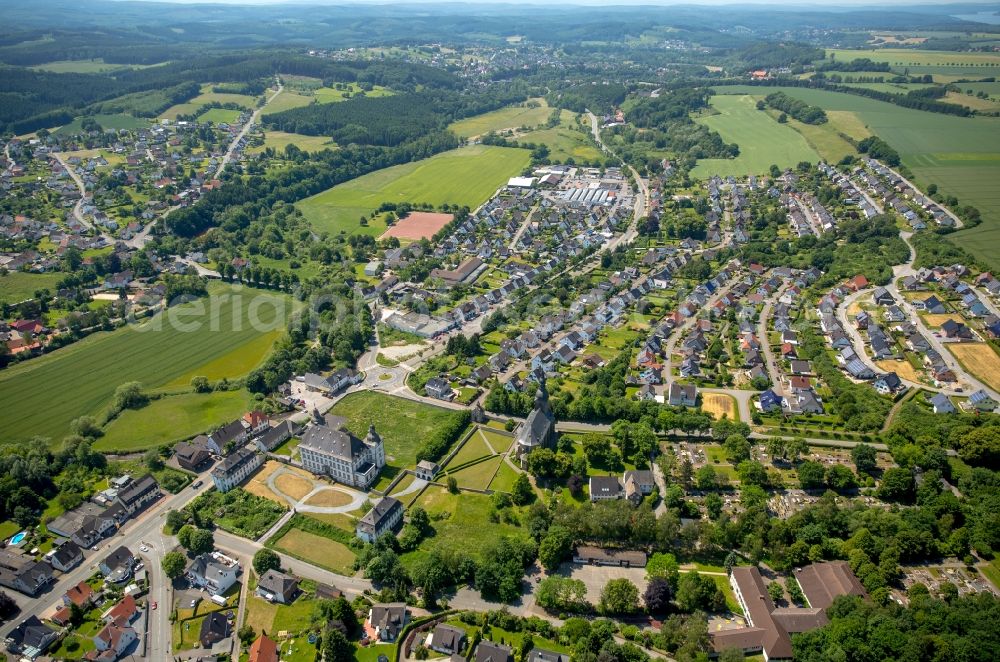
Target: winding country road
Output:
[{"x": 78, "y": 207}]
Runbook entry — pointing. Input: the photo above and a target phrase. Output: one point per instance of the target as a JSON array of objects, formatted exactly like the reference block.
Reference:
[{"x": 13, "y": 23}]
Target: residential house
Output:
[
  {"x": 118, "y": 564},
  {"x": 278, "y": 587},
  {"x": 768, "y": 401},
  {"x": 214, "y": 628},
  {"x": 263, "y": 649},
  {"x": 604, "y": 488},
  {"x": 193, "y": 455},
  {"x": 235, "y": 468},
  {"x": 447, "y": 639},
  {"x": 638, "y": 484},
  {"x": 213, "y": 573},
  {"x": 277, "y": 435},
  {"x": 941, "y": 404},
  {"x": 438, "y": 388},
  {"x": 138, "y": 494},
  {"x": 387, "y": 620},
  {"x": 682, "y": 395},
  {"x": 227, "y": 437},
  {"x": 31, "y": 638},
  {"x": 888, "y": 384},
  {"x": 23, "y": 573},
  {"x": 982, "y": 401},
  {"x": 542, "y": 655},
  {"x": 66, "y": 557},
  {"x": 81, "y": 595},
  {"x": 487, "y": 651},
  {"x": 384, "y": 517}
]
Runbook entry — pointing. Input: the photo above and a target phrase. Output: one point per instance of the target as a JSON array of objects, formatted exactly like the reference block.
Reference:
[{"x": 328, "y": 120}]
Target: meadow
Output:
[
  {"x": 278, "y": 140},
  {"x": 42, "y": 396},
  {"x": 117, "y": 121},
  {"x": 16, "y": 286},
  {"x": 762, "y": 139},
  {"x": 565, "y": 141},
  {"x": 288, "y": 100},
  {"x": 333, "y": 95},
  {"x": 466, "y": 176},
  {"x": 172, "y": 418},
  {"x": 208, "y": 96},
  {"x": 532, "y": 113},
  {"x": 959, "y": 154},
  {"x": 219, "y": 116}
]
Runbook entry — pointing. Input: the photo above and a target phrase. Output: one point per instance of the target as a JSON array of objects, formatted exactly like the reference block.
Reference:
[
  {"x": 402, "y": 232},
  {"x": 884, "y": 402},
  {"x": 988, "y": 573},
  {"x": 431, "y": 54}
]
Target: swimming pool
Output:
[{"x": 18, "y": 538}]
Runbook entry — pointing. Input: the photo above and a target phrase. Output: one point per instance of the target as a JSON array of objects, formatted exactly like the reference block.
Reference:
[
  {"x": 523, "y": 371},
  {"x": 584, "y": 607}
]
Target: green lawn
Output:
[
  {"x": 531, "y": 113},
  {"x": 466, "y": 525},
  {"x": 466, "y": 176},
  {"x": 478, "y": 475},
  {"x": 762, "y": 140},
  {"x": 403, "y": 424},
  {"x": 219, "y": 116},
  {"x": 318, "y": 550},
  {"x": 172, "y": 418},
  {"x": 371, "y": 653},
  {"x": 16, "y": 286},
  {"x": 268, "y": 617},
  {"x": 504, "y": 480},
  {"x": 204, "y": 337},
  {"x": 473, "y": 449},
  {"x": 959, "y": 154}
]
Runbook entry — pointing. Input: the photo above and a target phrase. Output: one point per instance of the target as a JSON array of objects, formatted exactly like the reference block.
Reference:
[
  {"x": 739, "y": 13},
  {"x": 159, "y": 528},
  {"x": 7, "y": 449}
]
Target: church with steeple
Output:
[{"x": 539, "y": 429}]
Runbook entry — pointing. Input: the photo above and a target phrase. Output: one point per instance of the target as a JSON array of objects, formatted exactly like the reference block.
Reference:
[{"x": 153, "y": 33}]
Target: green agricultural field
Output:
[
  {"x": 120, "y": 121},
  {"x": 532, "y": 113},
  {"x": 403, "y": 424},
  {"x": 762, "y": 140},
  {"x": 466, "y": 176},
  {"x": 288, "y": 100},
  {"x": 331, "y": 95},
  {"x": 219, "y": 116},
  {"x": 959, "y": 154},
  {"x": 44, "y": 394},
  {"x": 924, "y": 62},
  {"x": 16, "y": 286},
  {"x": 278, "y": 140},
  {"x": 208, "y": 96},
  {"x": 172, "y": 418}
]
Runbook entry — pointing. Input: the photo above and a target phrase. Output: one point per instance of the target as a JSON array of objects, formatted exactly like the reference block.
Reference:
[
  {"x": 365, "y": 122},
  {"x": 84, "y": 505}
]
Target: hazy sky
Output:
[{"x": 828, "y": 4}]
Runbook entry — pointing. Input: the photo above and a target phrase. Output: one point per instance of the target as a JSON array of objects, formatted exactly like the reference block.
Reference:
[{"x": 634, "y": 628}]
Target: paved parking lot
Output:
[{"x": 595, "y": 577}]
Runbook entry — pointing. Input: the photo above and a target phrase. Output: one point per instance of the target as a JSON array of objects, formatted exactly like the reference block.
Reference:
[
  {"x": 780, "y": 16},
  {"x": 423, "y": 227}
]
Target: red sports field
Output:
[{"x": 418, "y": 225}]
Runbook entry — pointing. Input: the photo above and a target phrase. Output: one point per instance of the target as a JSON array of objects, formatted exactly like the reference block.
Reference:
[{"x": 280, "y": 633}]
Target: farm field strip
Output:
[
  {"x": 762, "y": 140},
  {"x": 980, "y": 359},
  {"x": 46, "y": 393},
  {"x": 511, "y": 117}
]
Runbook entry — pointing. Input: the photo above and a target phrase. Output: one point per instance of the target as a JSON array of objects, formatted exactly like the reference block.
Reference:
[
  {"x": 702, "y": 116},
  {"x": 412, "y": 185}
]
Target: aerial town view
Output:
[{"x": 582, "y": 331}]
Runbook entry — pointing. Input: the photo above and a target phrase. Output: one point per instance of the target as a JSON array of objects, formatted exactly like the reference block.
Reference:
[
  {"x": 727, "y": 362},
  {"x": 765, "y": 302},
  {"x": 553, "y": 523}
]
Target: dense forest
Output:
[{"x": 391, "y": 120}]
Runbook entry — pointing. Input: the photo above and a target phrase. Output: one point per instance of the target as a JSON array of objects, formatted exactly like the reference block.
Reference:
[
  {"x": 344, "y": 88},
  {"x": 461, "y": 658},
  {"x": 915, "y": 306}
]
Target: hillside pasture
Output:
[
  {"x": 116, "y": 121},
  {"x": 94, "y": 66},
  {"x": 924, "y": 62},
  {"x": 43, "y": 395},
  {"x": 565, "y": 141},
  {"x": 467, "y": 176},
  {"x": 333, "y": 95},
  {"x": 762, "y": 139},
  {"x": 219, "y": 116}
]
